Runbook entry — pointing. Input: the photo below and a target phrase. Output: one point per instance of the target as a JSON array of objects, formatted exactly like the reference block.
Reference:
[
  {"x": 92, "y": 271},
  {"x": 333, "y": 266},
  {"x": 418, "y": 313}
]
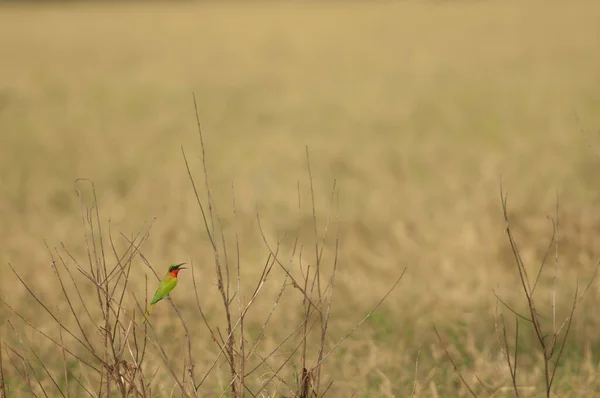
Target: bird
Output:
[{"x": 166, "y": 285}]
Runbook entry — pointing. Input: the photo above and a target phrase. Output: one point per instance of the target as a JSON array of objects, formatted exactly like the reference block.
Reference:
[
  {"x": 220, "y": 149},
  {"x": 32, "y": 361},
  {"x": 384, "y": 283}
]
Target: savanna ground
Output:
[{"x": 415, "y": 109}]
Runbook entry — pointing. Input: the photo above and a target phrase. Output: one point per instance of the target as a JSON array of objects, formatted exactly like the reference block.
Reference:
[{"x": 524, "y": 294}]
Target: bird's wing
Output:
[{"x": 164, "y": 288}]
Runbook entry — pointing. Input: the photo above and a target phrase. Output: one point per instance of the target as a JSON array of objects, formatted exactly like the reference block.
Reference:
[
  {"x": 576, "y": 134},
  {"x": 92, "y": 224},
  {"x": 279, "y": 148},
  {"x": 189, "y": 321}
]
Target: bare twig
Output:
[
  {"x": 365, "y": 318},
  {"x": 317, "y": 273},
  {"x": 25, "y": 374},
  {"x": 510, "y": 308},
  {"x": 211, "y": 234},
  {"x": 512, "y": 367},
  {"x": 41, "y": 303},
  {"x": 87, "y": 363},
  {"x": 64, "y": 355},
  {"x": 2, "y": 387},
  {"x": 527, "y": 290},
  {"x": 564, "y": 342},
  {"x": 547, "y": 252},
  {"x": 27, "y": 363},
  {"x": 462, "y": 379},
  {"x": 242, "y": 351},
  {"x": 325, "y": 321},
  {"x": 287, "y": 272},
  {"x": 416, "y": 379},
  {"x": 555, "y": 270},
  {"x": 547, "y": 346},
  {"x": 190, "y": 368}
]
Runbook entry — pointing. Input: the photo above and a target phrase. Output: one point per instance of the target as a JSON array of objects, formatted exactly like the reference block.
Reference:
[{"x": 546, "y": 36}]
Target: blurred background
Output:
[{"x": 416, "y": 109}]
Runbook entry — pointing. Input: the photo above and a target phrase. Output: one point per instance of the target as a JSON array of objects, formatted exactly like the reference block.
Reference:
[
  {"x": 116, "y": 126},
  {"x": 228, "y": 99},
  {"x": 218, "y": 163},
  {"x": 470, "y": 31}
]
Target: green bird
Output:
[{"x": 166, "y": 285}]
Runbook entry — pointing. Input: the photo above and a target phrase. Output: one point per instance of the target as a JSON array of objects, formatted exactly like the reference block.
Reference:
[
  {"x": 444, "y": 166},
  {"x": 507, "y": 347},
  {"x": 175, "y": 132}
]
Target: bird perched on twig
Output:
[{"x": 166, "y": 285}]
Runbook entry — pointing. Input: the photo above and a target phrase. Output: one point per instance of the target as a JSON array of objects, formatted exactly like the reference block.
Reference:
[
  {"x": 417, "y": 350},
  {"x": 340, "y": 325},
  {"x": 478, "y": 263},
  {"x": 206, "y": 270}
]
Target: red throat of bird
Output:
[{"x": 174, "y": 273}]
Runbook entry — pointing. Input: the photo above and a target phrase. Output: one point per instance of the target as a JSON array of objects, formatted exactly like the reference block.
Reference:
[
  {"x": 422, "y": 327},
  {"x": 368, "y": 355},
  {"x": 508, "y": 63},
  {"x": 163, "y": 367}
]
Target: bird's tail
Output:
[{"x": 147, "y": 313}]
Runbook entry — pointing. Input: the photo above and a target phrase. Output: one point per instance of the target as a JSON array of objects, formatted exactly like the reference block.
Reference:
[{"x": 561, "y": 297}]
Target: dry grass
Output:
[{"x": 415, "y": 109}]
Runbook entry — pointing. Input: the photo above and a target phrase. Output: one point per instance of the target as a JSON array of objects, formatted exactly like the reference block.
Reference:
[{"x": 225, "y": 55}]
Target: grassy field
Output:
[{"x": 416, "y": 109}]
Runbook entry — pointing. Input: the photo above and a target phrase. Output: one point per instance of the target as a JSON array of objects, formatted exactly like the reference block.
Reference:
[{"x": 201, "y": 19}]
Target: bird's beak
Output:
[{"x": 179, "y": 266}]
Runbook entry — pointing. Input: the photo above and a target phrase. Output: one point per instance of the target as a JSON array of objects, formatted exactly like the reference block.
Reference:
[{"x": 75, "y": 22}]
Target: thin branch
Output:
[
  {"x": 91, "y": 351},
  {"x": 2, "y": 387},
  {"x": 546, "y": 253},
  {"x": 191, "y": 366},
  {"x": 26, "y": 377},
  {"x": 47, "y": 337},
  {"x": 555, "y": 270},
  {"x": 453, "y": 363},
  {"x": 364, "y": 319},
  {"x": 564, "y": 342},
  {"x": 239, "y": 293},
  {"x": 331, "y": 283},
  {"x": 26, "y": 361},
  {"x": 510, "y": 308},
  {"x": 64, "y": 355},
  {"x": 68, "y": 300},
  {"x": 294, "y": 281},
  {"x": 512, "y": 368},
  {"x": 416, "y": 379}
]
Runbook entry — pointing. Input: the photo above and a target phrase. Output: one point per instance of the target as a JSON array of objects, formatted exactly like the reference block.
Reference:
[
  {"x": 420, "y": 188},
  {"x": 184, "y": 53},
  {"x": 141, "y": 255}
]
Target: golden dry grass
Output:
[{"x": 415, "y": 108}]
